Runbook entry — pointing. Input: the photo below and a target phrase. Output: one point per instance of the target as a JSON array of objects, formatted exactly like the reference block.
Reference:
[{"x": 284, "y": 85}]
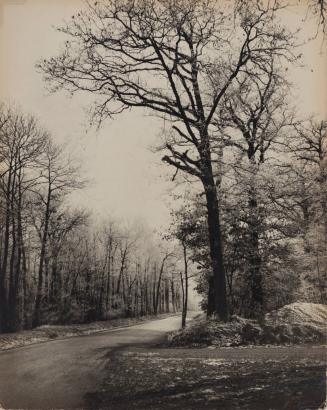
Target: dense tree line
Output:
[
  {"x": 287, "y": 260},
  {"x": 57, "y": 264}
]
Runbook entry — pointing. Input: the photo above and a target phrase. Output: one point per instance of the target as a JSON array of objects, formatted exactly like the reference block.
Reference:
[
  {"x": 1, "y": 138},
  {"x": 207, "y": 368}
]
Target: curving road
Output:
[{"x": 57, "y": 374}]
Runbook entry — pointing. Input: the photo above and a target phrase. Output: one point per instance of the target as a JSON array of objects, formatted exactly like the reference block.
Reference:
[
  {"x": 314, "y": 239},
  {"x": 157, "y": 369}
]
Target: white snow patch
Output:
[
  {"x": 208, "y": 391},
  {"x": 214, "y": 362}
]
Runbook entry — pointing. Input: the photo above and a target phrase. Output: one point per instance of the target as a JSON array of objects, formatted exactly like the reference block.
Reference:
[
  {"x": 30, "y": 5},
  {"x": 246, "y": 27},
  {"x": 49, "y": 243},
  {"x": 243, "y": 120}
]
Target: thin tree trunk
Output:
[
  {"x": 11, "y": 296},
  {"x": 183, "y": 300},
  {"x": 159, "y": 285},
  {"x": 185, "y": 286},
  {"x": 37, "y": 306},
  {"x": 255, "y": 274},
  {"x": 173, "y": 296},
  {"x": 3, "y": 273},
  {"x": 108, "y": 279},
  {"x": 15, "y": 269}
]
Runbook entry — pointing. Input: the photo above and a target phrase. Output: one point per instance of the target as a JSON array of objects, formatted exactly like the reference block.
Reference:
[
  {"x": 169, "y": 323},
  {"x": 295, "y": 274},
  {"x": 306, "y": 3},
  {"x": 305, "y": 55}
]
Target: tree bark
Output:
[
  {"x": 184, "y": 287},
  {"x": 38, "y": 299},
  {"x": 217, "y": 300},
  {"x": 3, "y": 273}
]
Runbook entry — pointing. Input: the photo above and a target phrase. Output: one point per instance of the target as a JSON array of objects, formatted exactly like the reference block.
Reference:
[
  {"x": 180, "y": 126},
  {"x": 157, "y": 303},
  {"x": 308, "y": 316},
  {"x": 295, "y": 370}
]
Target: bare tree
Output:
[
  {"x": 58, "y": 176},
  {"x": 54, "y": 268},
  {"x": 21, "y": 144},
  {"x": 61, "y": 224},
  {"x": 163, "y": 261},
  {"x": 319, "y": 10},
  {"x": 159, "y": 55}
]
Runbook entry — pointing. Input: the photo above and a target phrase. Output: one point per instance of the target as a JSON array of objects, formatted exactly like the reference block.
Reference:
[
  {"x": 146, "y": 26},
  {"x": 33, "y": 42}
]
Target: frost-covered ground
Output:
[
  {"x": 289, "y": 373},
  {"x": 249, "y": 378},
  {"x": 297, "y": 323},
  {"x": 50, "y": 332}
]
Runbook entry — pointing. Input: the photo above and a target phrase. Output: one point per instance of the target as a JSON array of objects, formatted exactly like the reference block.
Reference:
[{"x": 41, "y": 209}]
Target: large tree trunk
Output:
[
  {"x": 217, "y": 298},
  {"x": 211, "y": 296},
  {"x": 217, "y": 295}
]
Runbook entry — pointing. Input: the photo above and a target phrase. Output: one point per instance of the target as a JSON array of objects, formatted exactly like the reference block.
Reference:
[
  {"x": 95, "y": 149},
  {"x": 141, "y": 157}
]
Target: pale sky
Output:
[{"x": 128, "y": 179}]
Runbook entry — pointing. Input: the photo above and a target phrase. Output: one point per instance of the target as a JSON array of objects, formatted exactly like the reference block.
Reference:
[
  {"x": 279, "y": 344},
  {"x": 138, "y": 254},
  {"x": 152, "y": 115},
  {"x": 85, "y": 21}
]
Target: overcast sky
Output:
[{"x": 128, "y": 180}]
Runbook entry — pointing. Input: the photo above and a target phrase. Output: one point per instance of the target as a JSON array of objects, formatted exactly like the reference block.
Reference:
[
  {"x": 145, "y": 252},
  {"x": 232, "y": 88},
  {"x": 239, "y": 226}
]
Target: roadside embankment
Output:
[
  {"x": 49, "y": 332},
  {"x": 297, "y": 323}
]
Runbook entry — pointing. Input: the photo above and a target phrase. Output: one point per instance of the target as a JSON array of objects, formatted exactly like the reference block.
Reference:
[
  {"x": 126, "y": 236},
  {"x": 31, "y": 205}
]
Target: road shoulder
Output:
[{"x": 46, "y": 333}]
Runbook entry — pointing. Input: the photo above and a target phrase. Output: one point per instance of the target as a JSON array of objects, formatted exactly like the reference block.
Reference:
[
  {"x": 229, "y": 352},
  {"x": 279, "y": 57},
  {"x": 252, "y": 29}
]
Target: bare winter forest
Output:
[{"x": 245, "y": 160}]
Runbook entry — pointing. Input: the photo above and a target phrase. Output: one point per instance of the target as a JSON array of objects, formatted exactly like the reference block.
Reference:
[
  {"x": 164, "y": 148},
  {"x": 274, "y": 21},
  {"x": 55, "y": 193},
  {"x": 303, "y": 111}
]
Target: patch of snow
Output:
[
  {"x": 214, "y": 362},
  {"x": 324, "y": 406},
  {"x": 178, "y": 396},
  {"x": 208, "y": 391}
]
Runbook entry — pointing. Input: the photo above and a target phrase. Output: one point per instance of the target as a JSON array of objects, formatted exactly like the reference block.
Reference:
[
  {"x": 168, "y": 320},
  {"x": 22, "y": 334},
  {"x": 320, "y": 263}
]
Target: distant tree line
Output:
[{"x": 57, "y": 265}]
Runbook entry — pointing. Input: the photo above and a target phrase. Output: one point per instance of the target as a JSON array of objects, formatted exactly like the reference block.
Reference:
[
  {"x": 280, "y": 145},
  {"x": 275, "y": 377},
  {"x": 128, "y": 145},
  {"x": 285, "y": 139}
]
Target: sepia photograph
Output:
[{"x": 163, "y": 204}]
